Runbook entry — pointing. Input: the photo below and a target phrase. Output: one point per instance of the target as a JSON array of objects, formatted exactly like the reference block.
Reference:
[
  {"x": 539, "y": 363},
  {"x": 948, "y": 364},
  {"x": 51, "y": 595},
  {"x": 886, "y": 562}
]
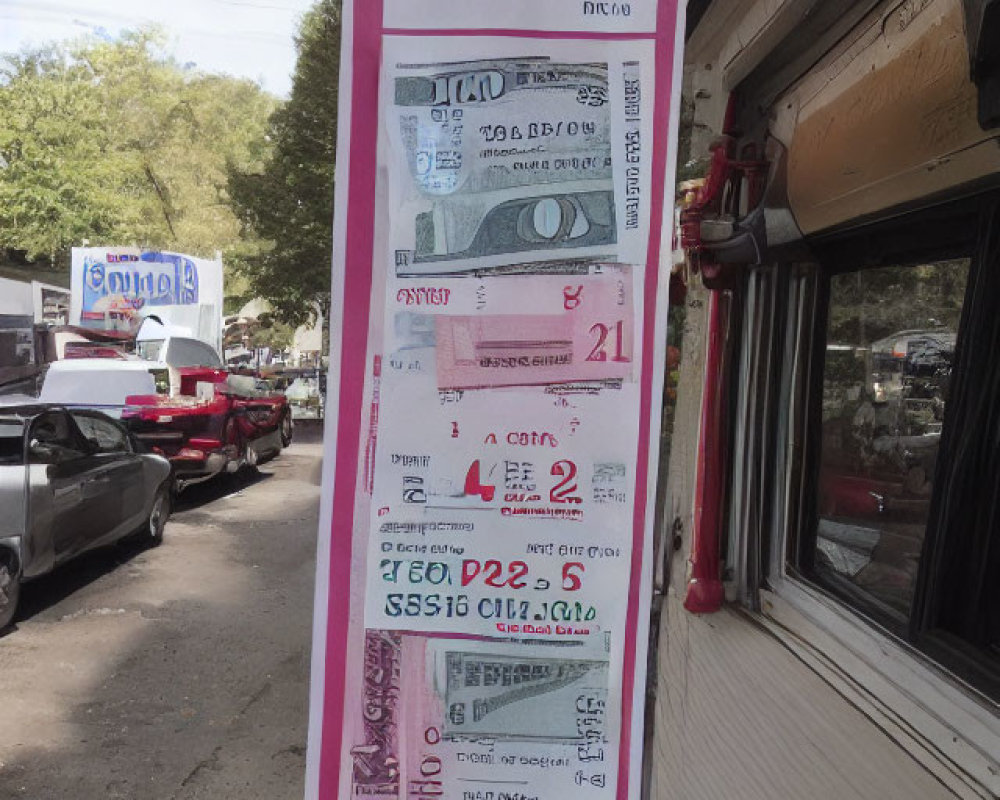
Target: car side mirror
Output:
[{"x": 42, "y": 453}]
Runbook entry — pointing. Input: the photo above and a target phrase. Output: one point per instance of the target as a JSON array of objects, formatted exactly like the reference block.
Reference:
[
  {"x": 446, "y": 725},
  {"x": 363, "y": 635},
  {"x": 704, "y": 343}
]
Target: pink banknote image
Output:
[
  {"x": 532, "y": 349},
  {"x": 440, "y": 713},
  {"x": 375, "y": 751}
]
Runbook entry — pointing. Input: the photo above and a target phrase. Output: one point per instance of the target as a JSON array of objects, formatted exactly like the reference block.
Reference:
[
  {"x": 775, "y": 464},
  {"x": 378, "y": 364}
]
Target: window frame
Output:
[
  {"x": 109, "y": 422},
  {"x": 80, "y": 450},
  {"x": 899, "y": 624},
  {"x": 21, "y": 439},
  {"x": 912, "y": 694},
  {"x": 941, "y": 233}
]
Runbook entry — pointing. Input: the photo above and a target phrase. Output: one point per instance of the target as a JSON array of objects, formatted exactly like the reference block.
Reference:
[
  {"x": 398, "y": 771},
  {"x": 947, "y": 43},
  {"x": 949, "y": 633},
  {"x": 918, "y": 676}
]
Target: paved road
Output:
[{"x": 178, "y": 672}]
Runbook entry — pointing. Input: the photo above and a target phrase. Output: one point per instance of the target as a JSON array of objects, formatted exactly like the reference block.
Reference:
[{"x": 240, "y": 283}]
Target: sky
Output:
[{"x": 245, "y": 38}]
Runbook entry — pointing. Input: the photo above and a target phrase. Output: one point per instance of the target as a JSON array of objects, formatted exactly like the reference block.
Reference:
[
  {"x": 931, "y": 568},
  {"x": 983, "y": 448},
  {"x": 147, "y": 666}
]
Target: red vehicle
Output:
[{"x": 218, "y": 422}]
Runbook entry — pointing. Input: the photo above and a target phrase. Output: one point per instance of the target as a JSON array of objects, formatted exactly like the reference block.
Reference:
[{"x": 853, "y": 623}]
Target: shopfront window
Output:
[{"x": 890, "y": 343}]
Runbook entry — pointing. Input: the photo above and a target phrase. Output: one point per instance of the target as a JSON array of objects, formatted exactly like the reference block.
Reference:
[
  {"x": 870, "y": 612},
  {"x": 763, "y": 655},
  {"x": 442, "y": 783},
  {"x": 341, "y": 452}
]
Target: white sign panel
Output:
[
  {"x": 593, "y": 16},
  {"x": 482, "y": 594}
]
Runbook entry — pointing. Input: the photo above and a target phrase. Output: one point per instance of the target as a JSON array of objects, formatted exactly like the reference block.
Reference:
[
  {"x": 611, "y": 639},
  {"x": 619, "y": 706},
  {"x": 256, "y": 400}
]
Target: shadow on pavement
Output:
[
  {"x": 308, "y": 431},
  {"x": 208, "y": 698},
  {"x": 200, "y": 494},
  {"x": 220, "y": 486},
  {"x": 41, "y": 594}
]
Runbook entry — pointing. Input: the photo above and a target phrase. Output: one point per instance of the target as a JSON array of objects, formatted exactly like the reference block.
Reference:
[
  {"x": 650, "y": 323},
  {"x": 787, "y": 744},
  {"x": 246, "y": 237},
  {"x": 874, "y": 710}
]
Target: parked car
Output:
[
  {"x": 102, "y": 384},
  {"x": 70, "y": 481},
  {"x": 304, "y": 396},
  {"x": 216, "y": 423}
]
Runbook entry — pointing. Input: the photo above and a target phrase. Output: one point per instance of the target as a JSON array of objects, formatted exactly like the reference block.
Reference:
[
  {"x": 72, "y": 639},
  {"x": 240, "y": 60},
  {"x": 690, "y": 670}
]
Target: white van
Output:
[{"x": 101, "y": 383}]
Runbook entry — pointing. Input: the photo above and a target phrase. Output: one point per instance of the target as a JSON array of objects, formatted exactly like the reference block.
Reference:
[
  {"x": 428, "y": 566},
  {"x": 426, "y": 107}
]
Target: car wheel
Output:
[
  {"x": 287, "y": 429},
  {"x": 232, "y": 442},
  {"x": 158, "y": 516},
  {"x": 10, "y": 592},
  {"x": 250, "y": 457}
]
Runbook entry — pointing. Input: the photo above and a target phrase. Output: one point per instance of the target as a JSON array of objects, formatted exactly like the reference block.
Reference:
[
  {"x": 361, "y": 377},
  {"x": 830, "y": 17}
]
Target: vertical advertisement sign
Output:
[{"x": 483, "y": 574}]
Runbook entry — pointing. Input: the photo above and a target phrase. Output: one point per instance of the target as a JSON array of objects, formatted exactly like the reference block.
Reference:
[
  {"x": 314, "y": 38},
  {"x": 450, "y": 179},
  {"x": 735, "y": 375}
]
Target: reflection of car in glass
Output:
[
  {"x": 216, "y": 422},
  {"x": 70, "y": 482},
  {"x": 917, "y": 360},
  {"x": 883, "y": 406}
]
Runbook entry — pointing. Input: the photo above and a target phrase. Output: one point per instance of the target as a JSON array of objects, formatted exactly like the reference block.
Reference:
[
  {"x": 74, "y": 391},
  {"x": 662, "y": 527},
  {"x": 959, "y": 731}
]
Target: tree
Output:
[
  {"x": 272, "y": 333},
  {"x": 111, "y": 143},
  {"x": 57, "y": 165},
  {"x": 872, "y": 304},
  {"x": 288, "y": 205}
]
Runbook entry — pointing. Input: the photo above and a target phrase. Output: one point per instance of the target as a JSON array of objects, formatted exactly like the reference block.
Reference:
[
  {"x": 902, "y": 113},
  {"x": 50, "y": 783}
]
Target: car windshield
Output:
[
  {"x": 30, "y": 386},
  {"x": 244, "y": 386},
  {"x": 150, "y": 349},
  {"x": 11, "y": 442}
]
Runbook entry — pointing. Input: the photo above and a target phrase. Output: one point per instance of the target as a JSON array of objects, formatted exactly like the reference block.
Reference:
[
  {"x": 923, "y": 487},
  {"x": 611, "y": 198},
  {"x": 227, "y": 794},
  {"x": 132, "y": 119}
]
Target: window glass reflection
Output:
[{"x": 890, "y": 342}]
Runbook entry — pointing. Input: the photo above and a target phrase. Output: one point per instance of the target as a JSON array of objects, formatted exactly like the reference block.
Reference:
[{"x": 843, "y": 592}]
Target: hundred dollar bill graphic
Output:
[
  {"x": 439, "y": 717},
  {"x": 506, "y": 161},
  {"x": 519, "y": 697}
]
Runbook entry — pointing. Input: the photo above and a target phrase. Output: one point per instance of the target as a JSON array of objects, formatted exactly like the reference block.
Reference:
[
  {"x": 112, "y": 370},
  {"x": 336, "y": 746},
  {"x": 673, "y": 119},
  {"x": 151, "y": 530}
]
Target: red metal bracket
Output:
[
  {"x": 733, "y": 186},
  {"x": 705, "y": 592}
]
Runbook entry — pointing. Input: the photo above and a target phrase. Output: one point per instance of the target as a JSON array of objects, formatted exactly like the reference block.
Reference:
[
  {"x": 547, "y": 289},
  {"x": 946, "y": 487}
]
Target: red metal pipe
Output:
[{"x": 705, "y": 592}]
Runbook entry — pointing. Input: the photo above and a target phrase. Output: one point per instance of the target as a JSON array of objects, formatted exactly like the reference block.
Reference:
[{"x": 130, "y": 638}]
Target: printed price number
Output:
[
  {"x": 512, "y": 575},
  {"x": 473, "y": 486},
  {"x": 564, "y": 492},
  {"x": 492, "y": 573},
  {"x": 604, "y": 333},
  {"x": 416, "y": 572}
]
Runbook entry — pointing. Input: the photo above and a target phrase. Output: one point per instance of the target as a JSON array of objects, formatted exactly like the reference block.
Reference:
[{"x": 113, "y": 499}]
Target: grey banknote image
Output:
[
  {"x": 503, "y": 159},
  {"x": 520, "y": 698},
  {"x": 464, "y": 82},
  {"x": 547, "y": 222}
]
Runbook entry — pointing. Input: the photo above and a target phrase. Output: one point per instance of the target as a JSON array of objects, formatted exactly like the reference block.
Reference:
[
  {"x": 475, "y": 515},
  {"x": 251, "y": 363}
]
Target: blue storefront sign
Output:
[{"x": 149, "y": 279}]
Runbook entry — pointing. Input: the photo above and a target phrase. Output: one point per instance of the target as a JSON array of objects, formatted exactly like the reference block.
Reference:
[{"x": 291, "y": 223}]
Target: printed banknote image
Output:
[
  {"x": 444, "y": 714},
  {"x": 531, "y": 349},
  {"x": 517, "y": 697},
  {"x": 497, "y": 225},
  {"x": 562, "y": 330},
  {"x": 502, "y": 158},
  {"x": 375, "y": 753}
]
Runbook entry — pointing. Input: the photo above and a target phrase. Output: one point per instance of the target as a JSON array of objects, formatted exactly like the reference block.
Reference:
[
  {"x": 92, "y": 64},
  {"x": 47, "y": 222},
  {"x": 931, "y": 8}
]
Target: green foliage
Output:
[
  {"x": 289, "y": 203},
  {"x": 871, "y": 304},
  {"x": 111, "y": 143},
  {"x": 271, "y": 332}
]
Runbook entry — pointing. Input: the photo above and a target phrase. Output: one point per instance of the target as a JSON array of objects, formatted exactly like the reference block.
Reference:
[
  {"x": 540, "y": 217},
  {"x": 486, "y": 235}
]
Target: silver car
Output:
[{"x": 70, "y": 481}]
